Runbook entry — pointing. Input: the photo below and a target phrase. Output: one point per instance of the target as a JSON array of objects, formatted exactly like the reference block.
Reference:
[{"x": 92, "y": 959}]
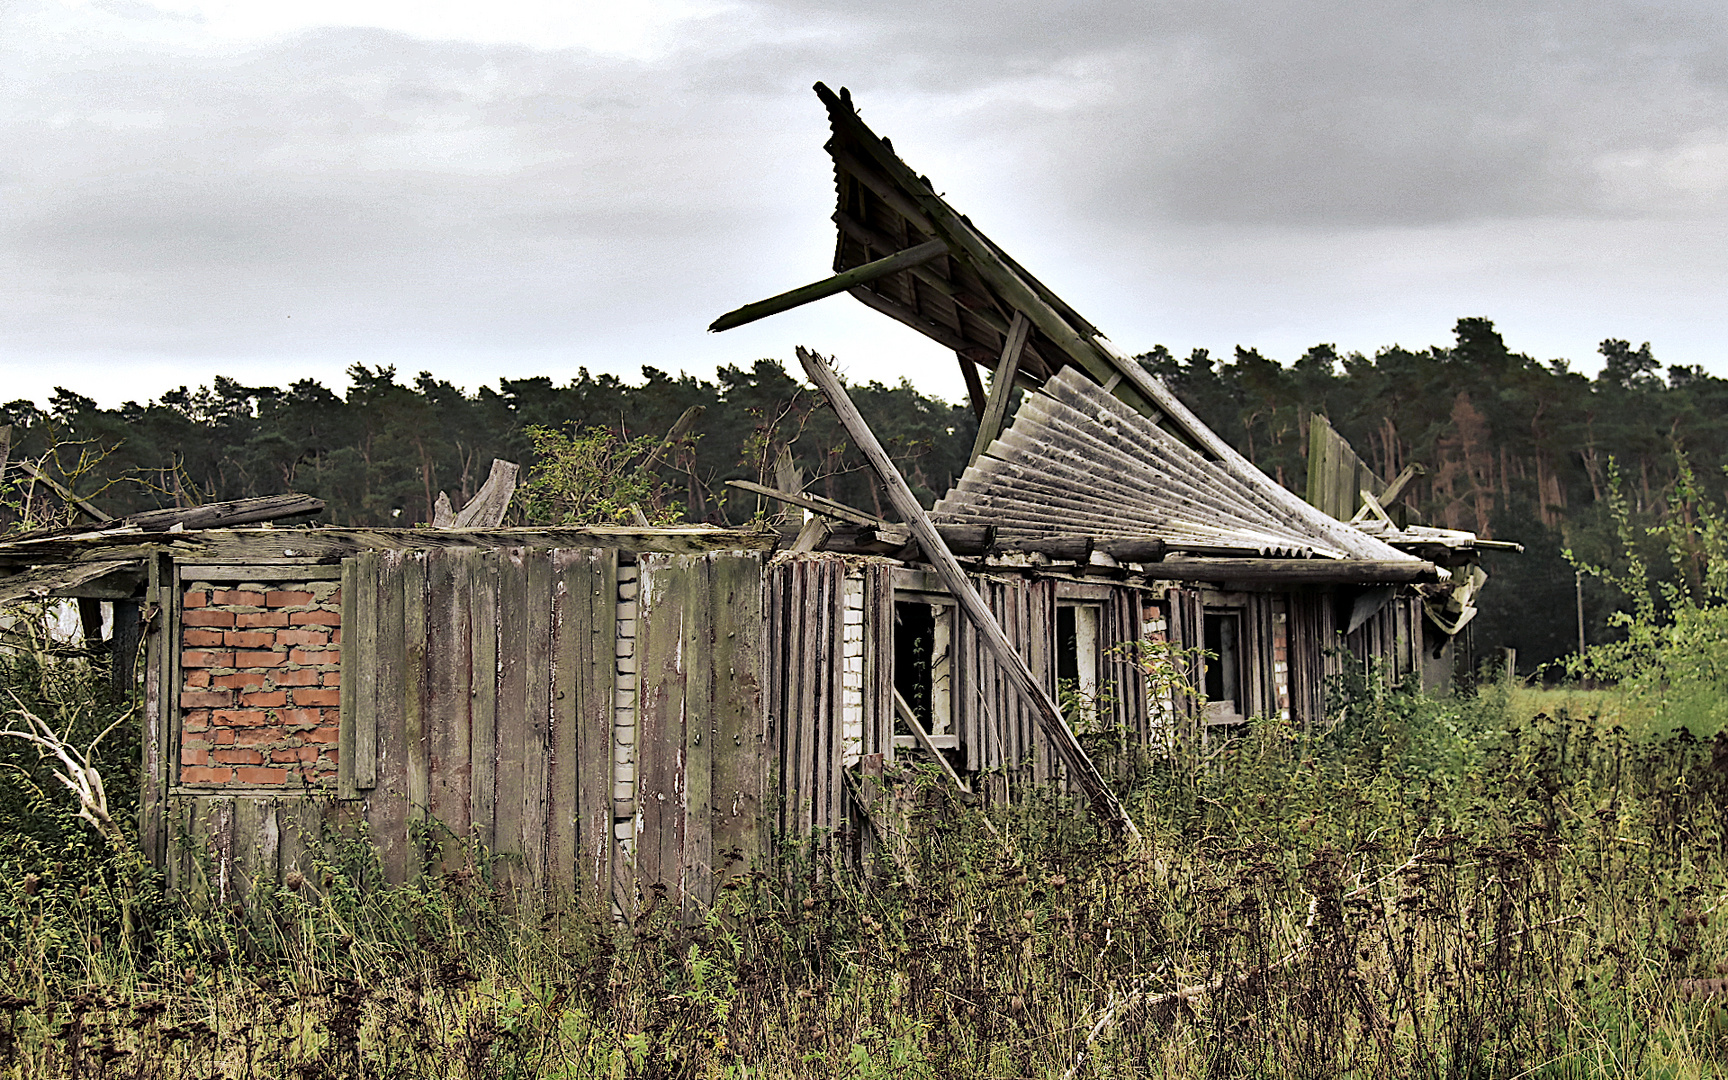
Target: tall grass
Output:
[{"x": 1427, "y": 888}]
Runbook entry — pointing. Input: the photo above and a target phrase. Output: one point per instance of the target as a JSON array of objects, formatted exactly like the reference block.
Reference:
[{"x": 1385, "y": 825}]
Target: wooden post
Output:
[
  {"x": 1002, "y": 387},
  {"x": 970, "y": 603}
]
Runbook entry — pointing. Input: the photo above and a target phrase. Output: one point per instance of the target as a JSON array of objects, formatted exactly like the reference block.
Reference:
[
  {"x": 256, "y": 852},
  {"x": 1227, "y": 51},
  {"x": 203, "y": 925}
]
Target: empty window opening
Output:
[
  {"x": 922, "y": 664},
  {"x": 1223, "y": 683},
  {"x": 1077, "y": 659}
]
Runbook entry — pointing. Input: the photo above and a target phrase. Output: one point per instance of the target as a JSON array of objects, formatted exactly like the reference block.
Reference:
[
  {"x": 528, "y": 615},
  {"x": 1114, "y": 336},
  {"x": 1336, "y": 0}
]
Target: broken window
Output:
[
  {"x": 1077, "y": 636},
  {"x": 923, "y": 667},
  {"x": 1222, "y": 628}
]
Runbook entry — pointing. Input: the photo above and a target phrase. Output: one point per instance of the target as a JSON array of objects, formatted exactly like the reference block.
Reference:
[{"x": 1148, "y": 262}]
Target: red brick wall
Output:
[{"x": 260, "y": 667}]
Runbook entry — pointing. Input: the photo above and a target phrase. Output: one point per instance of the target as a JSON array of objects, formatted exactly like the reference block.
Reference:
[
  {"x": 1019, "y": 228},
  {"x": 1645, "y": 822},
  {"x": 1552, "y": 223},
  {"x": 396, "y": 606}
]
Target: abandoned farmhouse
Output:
[{"x": 612, "y": 710}]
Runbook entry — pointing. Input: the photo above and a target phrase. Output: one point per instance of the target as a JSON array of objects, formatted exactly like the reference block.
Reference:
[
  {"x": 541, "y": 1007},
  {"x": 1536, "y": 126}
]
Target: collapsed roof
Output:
[{"x": 1106, "y": 448}]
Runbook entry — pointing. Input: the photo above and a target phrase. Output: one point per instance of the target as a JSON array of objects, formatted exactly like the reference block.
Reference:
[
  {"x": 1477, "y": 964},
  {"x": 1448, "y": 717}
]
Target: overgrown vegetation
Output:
[{"x": 1424, "y": 888}]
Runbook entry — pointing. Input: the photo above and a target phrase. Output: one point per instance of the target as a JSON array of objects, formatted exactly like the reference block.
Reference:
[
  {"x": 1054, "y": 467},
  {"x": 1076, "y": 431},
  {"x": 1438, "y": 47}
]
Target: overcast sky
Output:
[{"x": 273, "y": 190}]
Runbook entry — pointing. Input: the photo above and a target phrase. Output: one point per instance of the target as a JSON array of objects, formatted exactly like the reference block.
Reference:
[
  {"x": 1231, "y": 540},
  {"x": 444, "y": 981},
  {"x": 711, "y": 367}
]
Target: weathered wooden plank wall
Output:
[
  {"x": 805, "y": 627},
  {"x": 482, "y": 681},
  {"x": 703, "y": 750},
  {"x": 998, "y": 735}
]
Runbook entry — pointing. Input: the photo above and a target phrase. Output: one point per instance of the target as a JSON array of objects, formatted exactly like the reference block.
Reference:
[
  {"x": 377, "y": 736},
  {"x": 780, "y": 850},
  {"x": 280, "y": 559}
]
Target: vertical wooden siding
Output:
[
  {"x": 806, "y": 617},
  {"x": 480, "y": 707},
  {"x": 703, "y": 740}
]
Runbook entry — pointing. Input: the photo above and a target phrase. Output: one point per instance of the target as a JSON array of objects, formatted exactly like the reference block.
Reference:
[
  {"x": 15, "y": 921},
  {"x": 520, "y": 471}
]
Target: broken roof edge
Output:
[{"x": 335, "y": 543}]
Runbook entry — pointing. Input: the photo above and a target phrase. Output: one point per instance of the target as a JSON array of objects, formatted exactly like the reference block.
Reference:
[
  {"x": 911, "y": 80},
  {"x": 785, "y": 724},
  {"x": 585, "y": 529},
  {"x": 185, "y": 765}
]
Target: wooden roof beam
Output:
[
  {"x": 1001, "y": 387},
  {"x": 839, "y": 283}
]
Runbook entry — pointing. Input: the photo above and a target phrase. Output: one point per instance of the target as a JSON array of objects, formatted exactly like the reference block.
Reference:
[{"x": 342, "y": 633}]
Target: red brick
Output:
[
  {"x": 264, "y": 699},
  {"x": 238, "y": 757},
  {"x": 201, "y": 658},
  {"x": 315, "y": 618},
  {"x": 238, "y": 598},
  {"x": 197, "y": 638},
  {"x": 261, "y": 618},
  {"x": 207, "y": 618},
  {"x": 221, "y": 737},
  {"x": 197, "y": 775},
  {"x": 261, "y": 776},
  {"x": 332, "y": 678},
  {"x": 260, "y": 659},
  {"x": 206, "y": 699},
  {"x": 306, "y": 696},
  {"x": 195, "y": 720},
  {"x": 287, "y": 598},
  {"x": 303, "y": 637},
  {"x": 336, "y": 636},
  {"x": 240, "y": 680},
  {"x": 241, "y": 717},
  {"x": 303, "y": 656},
  {"x": 292, "y": 754},
  {"x": 299, "y": 717},
  {"x": 197, "y": 679},
  {"x": 258, "y": 736},
  {"x": 193, "y": 755},
  {"x": 248, "y": 639},
  {"x": 335, "y": 597},
  {"x": 195, "y": 598},
  {"x": 324, "y": 735},
  {"x": 303, "y": 677}
]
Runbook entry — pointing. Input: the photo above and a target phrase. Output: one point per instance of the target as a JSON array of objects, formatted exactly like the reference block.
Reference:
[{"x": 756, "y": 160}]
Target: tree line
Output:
[{"x": 1513, "y": 447}]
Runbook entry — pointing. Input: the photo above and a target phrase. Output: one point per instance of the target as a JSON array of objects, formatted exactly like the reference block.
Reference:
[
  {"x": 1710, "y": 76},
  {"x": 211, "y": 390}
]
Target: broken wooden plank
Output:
[
  {"x": 253, "y": 546},
  {"x": 910, "y": 719},
  {"x": 61, "y": 490},
  {"x": 816, "y": 504},
  {"x": 487, "y": 508},
  {"x": 679, "y": 429},
  {"x": 1055, "y": 728},
  {"x": 1296, "y": 571},
  {"x": 839, "y": 283},
  {"x": 1001, "y": 386}
]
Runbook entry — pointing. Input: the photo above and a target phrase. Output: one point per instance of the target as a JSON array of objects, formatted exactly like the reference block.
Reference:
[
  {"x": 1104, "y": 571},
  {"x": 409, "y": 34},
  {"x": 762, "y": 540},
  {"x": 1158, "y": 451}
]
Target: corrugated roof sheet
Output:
[{"x": 1076, "y": 460}]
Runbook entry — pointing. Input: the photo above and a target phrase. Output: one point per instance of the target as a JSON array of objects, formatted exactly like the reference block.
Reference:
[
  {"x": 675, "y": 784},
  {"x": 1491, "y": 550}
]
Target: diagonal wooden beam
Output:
[
  {"x": 59, "y": 489},
  {"x": 1002, "y": 386},
  {"x": 974, "y": 385},
  {"x": 910, "y": 719},
  {"x": 954, "y": 579},
  {"x": 839, "y": 283},
  {"x": 804, "y": 500}
]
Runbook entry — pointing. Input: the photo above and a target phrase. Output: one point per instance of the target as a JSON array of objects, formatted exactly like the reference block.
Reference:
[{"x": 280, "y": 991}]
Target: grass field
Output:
[{"x": 1521, "y": 884}]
